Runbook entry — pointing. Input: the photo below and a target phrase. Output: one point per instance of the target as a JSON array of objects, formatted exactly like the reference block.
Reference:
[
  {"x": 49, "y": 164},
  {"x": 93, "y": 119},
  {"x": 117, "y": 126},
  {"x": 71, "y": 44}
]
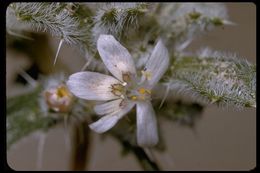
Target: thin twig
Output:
[
  {"x": 81, "y": 147},
  {"x": 42, "y": 137}
]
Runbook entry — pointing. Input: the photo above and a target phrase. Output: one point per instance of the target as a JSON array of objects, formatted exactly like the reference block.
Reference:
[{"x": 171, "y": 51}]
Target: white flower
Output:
[{"x": 124, "y": 90}]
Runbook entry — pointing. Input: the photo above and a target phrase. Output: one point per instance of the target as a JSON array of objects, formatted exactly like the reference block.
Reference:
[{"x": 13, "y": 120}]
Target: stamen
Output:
[
  {"x": 146, "y": 74},
  {"x": 116, "y": 92},
  {"x": 133, "y": 97},
  {"x": 144, "y": 91},
  {"x": 126, "y": 77},
  {"x": 62, "y": 91},
  {"x": 148, "y": 91},
  {"x": 141, "y": 90},
  {"x": 118, "y": 87}
]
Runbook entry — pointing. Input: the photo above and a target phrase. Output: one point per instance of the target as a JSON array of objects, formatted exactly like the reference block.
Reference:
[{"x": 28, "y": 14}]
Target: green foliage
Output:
[{"x": 23, "y": 117}]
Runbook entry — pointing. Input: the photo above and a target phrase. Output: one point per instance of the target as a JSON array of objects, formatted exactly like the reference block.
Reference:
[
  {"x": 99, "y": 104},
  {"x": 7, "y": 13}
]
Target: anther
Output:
[
  {"x": 62, "y": 91},
  {"x": 144, "y": 91},
  {"x": 126, "y": 77},
  {"x": 116, "y": 92},
  {"x": 133, "y": 97},
  {"x": 118, "y": 87},
  {"x": 141, "y": 90},
  {"x": 146, "y": 74}
]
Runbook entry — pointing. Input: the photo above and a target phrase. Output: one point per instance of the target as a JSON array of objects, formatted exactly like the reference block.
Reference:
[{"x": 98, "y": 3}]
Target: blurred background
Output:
[{"x": 223, "y": 139}]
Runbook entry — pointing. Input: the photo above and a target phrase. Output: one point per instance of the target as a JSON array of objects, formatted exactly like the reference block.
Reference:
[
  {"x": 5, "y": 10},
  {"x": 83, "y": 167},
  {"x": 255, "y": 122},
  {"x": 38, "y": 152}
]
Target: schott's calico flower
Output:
[{"x": 123, "y": 91}]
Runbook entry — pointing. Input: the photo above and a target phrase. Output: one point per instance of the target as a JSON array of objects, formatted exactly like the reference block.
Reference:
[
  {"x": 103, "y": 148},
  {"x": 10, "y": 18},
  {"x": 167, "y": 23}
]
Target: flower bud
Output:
[{"x": 59, "y": 99}]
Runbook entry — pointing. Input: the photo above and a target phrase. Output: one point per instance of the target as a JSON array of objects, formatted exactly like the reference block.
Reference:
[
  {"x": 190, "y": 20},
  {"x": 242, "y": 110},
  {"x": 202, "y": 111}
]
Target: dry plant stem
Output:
[{"x": 81, "y": 144}]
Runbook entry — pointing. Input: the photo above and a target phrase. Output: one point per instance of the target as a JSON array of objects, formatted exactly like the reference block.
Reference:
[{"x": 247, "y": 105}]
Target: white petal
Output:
[
  {"x": 92, "y": 86},
  {"x": 147, "y": 134},
  {"x": 116, "y": 58},
  {"x": 108, "y": 107},
  {"x": 157, "y": 63},
  {"x": 108, "y": 121}
]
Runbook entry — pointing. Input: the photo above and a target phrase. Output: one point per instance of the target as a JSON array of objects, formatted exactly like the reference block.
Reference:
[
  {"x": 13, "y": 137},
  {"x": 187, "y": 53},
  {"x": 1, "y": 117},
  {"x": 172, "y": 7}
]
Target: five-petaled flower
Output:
[{"x": 124, "y": 90}]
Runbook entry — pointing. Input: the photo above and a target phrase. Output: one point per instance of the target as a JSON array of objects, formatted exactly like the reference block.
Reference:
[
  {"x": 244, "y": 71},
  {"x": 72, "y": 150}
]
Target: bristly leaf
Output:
[
  {"x": 216, "y": 78},
  {"x": 117, "y": 18},
  {"x": 182, "y": 22},
  {"x": 60, "y": 19}
]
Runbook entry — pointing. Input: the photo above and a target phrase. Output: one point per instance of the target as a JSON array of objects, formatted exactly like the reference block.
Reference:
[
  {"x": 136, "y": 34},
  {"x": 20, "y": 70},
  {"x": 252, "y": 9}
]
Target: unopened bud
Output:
[{"x": 59, "y": 99}]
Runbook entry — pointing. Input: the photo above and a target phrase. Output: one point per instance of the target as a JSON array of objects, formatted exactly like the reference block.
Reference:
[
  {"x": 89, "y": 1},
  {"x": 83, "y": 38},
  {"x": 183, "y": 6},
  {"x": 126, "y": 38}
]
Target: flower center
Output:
[
  {"x": 130, "y": 89},
  {"x": 62, "y": 91},
  {"x": 140, "y": 94}
]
